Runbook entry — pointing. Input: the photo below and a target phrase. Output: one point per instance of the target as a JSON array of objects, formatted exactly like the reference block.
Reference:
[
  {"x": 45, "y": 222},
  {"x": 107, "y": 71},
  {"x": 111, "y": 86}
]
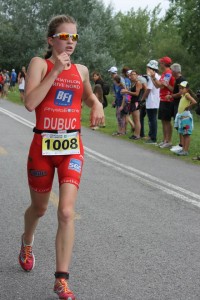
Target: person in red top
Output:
[
  {"x": 166, "y": 85},
  {"x": 2, "y": 80},
  {"x": 55, "y": 88}
]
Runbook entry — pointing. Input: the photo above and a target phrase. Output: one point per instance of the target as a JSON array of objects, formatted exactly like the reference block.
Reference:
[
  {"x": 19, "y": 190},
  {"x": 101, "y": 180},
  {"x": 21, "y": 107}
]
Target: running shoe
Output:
[
  {"x": 166, "y": 145},
  {"x": 177, "y": 151},
  {"x": 26, "y": 257},
  {"x": 182, "y": 153},
  {"x": 115, "y": 133},
  {"x": 62, "y": 290},
  {"x": 196, "y": 157},
  {"x": 134, "y": 137},
  {"x": 176, "y": 148},
  {"x": 160, "y": 144},
  {"x": 150, "y": 142}
]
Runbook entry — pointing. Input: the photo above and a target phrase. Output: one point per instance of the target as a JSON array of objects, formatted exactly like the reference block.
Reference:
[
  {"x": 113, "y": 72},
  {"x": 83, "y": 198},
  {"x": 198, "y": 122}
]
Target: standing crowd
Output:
[
  {"x": 8, "y": 80},
  {"x": 161, "y": 94}
]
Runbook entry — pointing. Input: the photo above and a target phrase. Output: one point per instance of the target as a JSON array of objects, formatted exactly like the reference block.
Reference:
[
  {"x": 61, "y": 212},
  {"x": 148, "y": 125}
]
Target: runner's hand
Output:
[
  {"x": 62, "y": 61},
  {"x": 97, "y": 115}
]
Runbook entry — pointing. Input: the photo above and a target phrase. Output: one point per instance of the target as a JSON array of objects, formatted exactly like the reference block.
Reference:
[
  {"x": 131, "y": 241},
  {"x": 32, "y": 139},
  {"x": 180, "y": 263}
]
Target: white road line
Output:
[
  {"x": 143, "y": 177},
  {"x": 142, "y": 174},
  {"x": 148, "y": 182},
  {"x": 17, "y": 117}
]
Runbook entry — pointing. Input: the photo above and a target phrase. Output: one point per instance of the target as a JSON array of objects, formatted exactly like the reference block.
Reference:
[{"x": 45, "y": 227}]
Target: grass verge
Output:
[{"x": 111, "y": 126}]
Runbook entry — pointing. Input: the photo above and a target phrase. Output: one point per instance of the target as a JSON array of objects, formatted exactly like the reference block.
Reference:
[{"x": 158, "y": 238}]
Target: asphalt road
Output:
[{"x": 137, "y": 221}]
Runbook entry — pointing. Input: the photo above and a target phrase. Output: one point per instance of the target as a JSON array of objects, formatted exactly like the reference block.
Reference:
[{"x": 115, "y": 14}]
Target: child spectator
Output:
[{"x": 184, "y": 121}]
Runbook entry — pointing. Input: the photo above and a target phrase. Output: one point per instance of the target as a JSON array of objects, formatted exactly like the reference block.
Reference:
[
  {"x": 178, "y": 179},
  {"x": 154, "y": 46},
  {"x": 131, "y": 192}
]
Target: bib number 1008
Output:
[{"x": 61, "y": 145}]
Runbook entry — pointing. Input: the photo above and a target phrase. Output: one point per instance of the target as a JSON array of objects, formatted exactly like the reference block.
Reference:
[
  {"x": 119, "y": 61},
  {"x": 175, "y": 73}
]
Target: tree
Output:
[
  {"x": 186, "y": 13},
  {"x": 132, "y": 45},
  {"x": 23, "y": 28},
  {"x": 185, "y": 16}
]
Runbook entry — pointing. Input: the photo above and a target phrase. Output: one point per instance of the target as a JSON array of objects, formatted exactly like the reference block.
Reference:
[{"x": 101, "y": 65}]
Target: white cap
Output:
[
  {"x": 113, "y": 70},
  {"x": 153, "y": 64},
  {"x": 13, "y": 70},
  {"x": 184, "y": 84},
  {"x": 129, "y": 72},
  {"x": 176, "y": 68}
]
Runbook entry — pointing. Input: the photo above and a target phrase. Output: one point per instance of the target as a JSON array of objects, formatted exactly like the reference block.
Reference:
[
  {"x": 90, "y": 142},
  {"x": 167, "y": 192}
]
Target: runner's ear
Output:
[{"x": 50, "y": 41}]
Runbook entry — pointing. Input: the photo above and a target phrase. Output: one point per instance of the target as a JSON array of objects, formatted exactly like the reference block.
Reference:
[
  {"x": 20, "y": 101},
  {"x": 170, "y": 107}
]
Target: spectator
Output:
[
  {"x": 152, "y": 96},
  {"x": 143, "y": 79},
  {"x": 97, "y": 78},
  {"x": 184, "y": 120},
  {"x": 119, "y": 102},
  {"x": 2, "y": 79},
  {"x": 21, "y": 82},
  {"x": 19, "y": 74},
  {"x": 98, "y": 91},
  {"x": 6, "y": 83},
  {"x": 114, "y": 72},
  {"x": 135, "y": 92},
  {"x": 125, "y": 74},
  {"x": 176, "y": 96},
  {"x": 166, "y": 85},
  {"x": 13, "y": 79}
]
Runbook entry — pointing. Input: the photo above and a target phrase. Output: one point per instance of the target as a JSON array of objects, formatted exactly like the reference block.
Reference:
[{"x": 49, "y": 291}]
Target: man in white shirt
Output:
[{"x": 152, "y": 96}]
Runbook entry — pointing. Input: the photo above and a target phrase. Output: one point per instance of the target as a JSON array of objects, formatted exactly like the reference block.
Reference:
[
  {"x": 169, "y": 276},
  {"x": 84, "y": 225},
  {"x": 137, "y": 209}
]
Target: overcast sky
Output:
[{"x": 126, "y": 5}]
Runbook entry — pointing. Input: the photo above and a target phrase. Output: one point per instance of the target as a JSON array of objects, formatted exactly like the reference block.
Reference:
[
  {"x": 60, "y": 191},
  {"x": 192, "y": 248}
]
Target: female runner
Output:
[{"x": 55, "y": 88}]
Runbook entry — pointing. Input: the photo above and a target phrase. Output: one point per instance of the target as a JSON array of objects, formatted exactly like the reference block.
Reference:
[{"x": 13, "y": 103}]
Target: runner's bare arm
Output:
[{"x": 37, "y": 87}]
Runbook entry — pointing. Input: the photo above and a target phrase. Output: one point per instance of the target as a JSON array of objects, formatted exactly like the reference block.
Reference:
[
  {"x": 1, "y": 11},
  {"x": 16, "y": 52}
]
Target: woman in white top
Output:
[{"x": 21, "y": 84}]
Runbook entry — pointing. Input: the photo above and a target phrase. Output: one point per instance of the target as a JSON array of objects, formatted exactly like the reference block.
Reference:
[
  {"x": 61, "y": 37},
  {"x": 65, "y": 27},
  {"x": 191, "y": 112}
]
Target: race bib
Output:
[{"x": 60, "y": 143}]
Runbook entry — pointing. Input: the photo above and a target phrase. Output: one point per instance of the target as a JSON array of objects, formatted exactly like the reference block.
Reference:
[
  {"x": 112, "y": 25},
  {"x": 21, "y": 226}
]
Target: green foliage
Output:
[
  {"x": 133, "y": 42},
  {"x": 187, "y": 15},
  {"x": 27, "y": 21},
  {"x": 106, "y": 39}
]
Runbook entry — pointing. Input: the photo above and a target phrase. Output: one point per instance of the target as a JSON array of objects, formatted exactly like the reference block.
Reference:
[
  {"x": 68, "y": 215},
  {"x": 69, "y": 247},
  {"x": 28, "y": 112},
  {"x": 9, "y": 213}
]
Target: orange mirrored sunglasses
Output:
[{"x": 65, "y": 36}]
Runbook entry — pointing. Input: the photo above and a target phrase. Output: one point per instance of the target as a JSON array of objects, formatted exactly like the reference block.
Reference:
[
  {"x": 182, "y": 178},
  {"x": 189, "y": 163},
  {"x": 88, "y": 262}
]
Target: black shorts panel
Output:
[
  {"x": 134, "y": 106},
  {"x": 175, "y": 108},
  {"x": 166, "y": 110}
]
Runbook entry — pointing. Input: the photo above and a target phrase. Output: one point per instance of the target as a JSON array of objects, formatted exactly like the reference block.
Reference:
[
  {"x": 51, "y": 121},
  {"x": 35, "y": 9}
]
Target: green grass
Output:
[
  {"x": 14, "y": 96},
  {"x": 111, "y": 126}
]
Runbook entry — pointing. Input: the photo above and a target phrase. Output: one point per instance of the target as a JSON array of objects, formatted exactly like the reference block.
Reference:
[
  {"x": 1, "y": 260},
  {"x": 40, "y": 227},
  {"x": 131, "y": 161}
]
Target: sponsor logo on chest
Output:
[{"x": 63, "y": 98}]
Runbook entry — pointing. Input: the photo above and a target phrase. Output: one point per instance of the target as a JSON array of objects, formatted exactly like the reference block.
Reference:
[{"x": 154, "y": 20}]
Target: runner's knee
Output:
[
  {"x": 39, "y": 210},
  {"x": 66, "y": 214}
]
